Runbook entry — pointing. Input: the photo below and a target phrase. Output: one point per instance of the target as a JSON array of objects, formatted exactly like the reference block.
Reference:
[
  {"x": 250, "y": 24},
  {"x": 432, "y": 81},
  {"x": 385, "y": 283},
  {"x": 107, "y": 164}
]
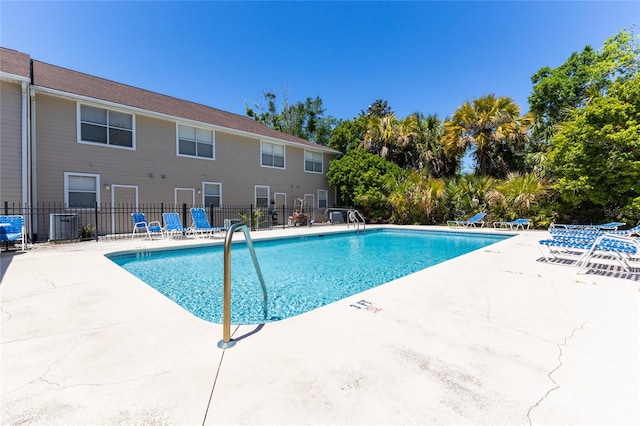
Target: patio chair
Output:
[
  {"x": 609, "y": 226},
  {"x": 621, "y": 248},
  {"x": 173, "y": 225},
  {"x": 474, "y": 220},
  {"x": 12, "y": 229},
  {"x": 200, "y": 224},
  {"x": 140, "y": 224},
  {"x": 514, "y": 224},
  {"x": 558, "y": 231}
]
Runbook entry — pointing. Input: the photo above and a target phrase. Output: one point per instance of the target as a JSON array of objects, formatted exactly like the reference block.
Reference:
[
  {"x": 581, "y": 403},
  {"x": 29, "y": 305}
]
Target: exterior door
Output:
[
  {"x": 280, "y": 200},
  {"x": 124, "y": 201},
  {"x": 310, "y": 206},
  {"x": 186, "y": 196}
]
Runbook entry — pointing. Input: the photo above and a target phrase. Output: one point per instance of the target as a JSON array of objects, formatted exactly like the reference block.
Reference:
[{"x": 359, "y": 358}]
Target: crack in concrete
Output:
[
  {"x": 5, "y": 312},
  {"x": 556, "y": 368}
]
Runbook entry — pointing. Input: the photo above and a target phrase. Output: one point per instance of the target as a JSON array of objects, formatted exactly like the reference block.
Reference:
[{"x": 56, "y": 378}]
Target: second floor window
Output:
[
  {"x": 105, "y": 126},
  {"x": 313, "y": 162},
  {"x": 272, "y": 155},
  {"x": 196, "y": 142}
]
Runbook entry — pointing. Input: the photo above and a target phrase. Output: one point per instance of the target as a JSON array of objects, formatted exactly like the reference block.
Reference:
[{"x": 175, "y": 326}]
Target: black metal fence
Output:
[{"x": 55, "y": 222}]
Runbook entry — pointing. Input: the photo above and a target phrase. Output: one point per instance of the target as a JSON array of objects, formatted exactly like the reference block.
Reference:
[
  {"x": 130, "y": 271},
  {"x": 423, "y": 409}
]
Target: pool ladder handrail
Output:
[
  {"x": 227, "y": 341},
  {"x": 354, "y": 216}
]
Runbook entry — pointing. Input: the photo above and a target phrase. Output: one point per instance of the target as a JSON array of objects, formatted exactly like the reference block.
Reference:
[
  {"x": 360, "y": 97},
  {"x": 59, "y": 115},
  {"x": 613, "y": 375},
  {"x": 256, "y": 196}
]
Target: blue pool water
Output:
[{"x": 301, "y": 274}]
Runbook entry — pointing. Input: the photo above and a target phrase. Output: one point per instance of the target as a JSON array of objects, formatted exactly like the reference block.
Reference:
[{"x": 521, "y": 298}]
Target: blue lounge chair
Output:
[
  {"x": 556, "y": 231},
  {"x": 623, "y": 249},
  {"x": 586, "y": 246},
  {"x": 609, "y": 226},
  {"x": 474, "y": 220},
  {"x": 173, "y": 225},
  {"x": 140, "y": 224},
  {"x": 200, "y": 224},
  {"x": 12, "y": 229},
  {"x": 514, "y": 224}
]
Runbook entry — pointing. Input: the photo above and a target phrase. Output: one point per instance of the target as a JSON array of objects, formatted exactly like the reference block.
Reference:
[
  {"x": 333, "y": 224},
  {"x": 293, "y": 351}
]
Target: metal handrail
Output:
[
  {"x": 227, "y": 341},
  {"x": 354, "y": 216}
]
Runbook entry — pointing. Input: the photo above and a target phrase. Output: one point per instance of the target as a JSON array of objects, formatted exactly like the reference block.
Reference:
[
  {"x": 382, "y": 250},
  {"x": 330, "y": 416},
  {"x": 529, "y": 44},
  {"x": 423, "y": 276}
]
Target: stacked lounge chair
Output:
[{"x": 585, "y": 243}]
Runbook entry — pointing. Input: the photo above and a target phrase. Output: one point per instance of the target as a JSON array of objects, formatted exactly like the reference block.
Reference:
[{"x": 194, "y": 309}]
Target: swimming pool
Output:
[{"x": 300, "y": 273}]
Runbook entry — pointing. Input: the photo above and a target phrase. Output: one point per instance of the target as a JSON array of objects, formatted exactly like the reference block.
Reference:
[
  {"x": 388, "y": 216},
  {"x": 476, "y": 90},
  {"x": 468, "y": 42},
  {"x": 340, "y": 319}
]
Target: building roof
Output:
[
  {"x": 76, "y": 83},
  {"x": 15, "y": 63}
]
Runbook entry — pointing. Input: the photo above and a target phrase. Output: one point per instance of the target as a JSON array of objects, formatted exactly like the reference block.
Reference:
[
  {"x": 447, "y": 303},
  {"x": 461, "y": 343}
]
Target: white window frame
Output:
[
  {"x": 326, "y": 198},
  {"x": 314, "y": 162},
  {"x": 196, "y": 128},
  {"x": 67, "y": 175},
  {"x": 79, "y": 106},
  {"x": 255, "y": 195},
  {"x": 219, "y": 185},
  {"x": 284, "y": 155}
]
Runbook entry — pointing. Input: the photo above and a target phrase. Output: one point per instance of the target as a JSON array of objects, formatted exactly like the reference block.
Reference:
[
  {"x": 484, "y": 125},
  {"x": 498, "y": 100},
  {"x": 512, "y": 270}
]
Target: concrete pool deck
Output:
[{"x": 492, "y": 337}]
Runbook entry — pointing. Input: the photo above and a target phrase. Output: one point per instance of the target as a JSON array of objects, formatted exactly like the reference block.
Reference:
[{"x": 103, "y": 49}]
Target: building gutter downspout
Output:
[{"x": 31, "y": 161}]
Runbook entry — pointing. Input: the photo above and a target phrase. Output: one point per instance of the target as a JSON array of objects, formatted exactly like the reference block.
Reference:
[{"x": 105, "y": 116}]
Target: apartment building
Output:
[{"x": 72, "y": 138}]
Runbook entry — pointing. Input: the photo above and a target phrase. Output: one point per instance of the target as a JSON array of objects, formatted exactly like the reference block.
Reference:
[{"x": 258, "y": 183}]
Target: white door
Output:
[
  {"x": 310, "y": 205},
  {"x": 124, "y": 201},
  {"x": 280, "y": 201}
]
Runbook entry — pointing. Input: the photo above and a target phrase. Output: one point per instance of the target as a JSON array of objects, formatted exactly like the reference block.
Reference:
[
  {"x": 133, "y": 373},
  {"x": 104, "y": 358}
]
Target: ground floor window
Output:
[
  {"x": 81, "y": 190},
  {"x": 262, "y": 196},
  {"x": 212, "y": 194},
  {"x": 323, "y": 196}
]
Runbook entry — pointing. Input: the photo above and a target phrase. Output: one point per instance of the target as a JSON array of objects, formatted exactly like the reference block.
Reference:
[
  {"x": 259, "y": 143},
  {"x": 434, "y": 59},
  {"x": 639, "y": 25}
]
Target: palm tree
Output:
[
  {"x": 522, "y": 192},
  {"x": 492, "y": 125},
  {"x": 416, "y": 199},
  {"x": 381, "y": 135}
]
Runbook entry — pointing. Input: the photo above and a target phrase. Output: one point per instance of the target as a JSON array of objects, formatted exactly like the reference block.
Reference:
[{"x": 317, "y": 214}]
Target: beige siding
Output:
[
  {"x": 10, "y": 142},
  {"x": 154, "y": 165}
]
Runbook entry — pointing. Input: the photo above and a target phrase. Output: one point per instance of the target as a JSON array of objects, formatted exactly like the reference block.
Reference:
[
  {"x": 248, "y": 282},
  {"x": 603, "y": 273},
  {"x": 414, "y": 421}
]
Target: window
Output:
[
  {"x": 212, "y": 194},
  {"x": 81, "y": 190},
  {"x": 104, "y": 126},
  {"x": 195, "y": 142},
  {"x": 272, "y": 155},
  {"x": 313, "y": 162},
  {"x": 262, "y": 196},
  {"x": 323, "y": 196}
]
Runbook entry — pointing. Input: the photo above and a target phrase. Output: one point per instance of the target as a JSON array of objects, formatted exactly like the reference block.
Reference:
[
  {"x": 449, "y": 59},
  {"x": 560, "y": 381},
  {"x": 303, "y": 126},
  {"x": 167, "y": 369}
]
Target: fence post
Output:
[
  {"x": 95, "y": 231},
  {"x": 184, "y": 214}
]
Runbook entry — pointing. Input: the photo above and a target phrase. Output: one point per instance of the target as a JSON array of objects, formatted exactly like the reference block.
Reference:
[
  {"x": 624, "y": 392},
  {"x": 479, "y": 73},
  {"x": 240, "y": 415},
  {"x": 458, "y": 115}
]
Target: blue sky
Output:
[{"x": 419, "y": 56}]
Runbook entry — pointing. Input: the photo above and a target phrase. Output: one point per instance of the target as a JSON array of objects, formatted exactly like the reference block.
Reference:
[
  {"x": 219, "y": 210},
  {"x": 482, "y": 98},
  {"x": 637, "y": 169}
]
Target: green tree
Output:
[
  {"x": 595, "y": 157},
  {"x": 381, "y": 135},
  {"x": 379, "y": 108},
  {"x": 348, "y": 134},
  {"x": 420, "y": 141},
  {"x": 417, "y": 199},
  {"x": 305, "y": 120},
  {"x": 494, "y": 128},
  {"x": 522, "y": 193},
  {"x": 468, "y": 194},
  {"x": 362, "y": 180},
  {"x": 557, "y": 91}
]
